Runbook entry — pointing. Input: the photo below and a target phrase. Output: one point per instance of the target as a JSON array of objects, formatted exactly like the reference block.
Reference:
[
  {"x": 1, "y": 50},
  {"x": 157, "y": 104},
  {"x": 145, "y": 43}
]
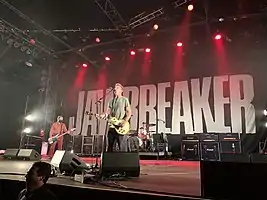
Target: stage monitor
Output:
[
  {"x": 122, "y": 163},
  {"x": 11, "y": 154},
  {"x": 28, "y": 154},
  {"x": 68, "y": 162}
]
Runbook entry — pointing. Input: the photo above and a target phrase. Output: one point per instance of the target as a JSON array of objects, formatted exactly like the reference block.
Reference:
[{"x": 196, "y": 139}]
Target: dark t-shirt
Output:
[{"x": 42, "y": 193}]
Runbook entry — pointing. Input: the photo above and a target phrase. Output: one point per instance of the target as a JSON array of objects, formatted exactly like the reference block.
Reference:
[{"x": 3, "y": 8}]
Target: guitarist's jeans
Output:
[
  {"x": 121, "y": 140},
  {"x": 52, "y": 148}
]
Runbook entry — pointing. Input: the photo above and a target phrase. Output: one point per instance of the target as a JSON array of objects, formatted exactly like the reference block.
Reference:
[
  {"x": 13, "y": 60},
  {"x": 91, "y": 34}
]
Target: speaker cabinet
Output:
[
  {"x": 68, "y": 162},
  {"x": 233, "y": 180},
  {"x": 124, "y": 163},
  {"x": 28, "y": 154},
  {"x": 11, "y": 154},
  {"x": 230, "y": 157},
  {"x": 258, "y": 158}
]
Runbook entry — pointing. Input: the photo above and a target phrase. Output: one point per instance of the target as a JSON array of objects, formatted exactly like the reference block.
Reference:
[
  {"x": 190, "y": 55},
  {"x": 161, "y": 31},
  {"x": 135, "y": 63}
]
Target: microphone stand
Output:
[{"x": 98, "y": 103}]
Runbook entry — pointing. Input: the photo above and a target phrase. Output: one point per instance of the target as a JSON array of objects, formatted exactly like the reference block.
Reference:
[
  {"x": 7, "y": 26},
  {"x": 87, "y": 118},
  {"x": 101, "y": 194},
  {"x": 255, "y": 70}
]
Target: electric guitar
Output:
[
  {"x": 56, "y": 137},
  {"x": 115, "y": 123}
]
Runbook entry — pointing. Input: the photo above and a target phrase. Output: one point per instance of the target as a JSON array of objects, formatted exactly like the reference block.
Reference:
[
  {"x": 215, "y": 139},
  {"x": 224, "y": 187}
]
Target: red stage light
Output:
[
  {"x": 32, "y": 41},
  {"x": 84, "y": 65},
  {"x": 107, "y": 58},
  {"x": 132, "y": 53},
  {"x": 179, "y": 44},
  {"x": 217, "y": 37},
  {"x": 190, "y": 7},
  {"x": 147, "y": 50},
  {"x": 97, "y": 40}
]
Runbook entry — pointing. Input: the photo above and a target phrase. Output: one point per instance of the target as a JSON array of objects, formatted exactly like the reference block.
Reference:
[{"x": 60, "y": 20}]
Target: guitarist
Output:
[
  {"x": 57, "y": 127},
  {"x": 120, "y": 108}
]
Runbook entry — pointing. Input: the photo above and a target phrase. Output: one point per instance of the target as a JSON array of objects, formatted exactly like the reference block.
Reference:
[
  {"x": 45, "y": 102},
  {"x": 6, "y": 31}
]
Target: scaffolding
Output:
[
  {"x": 144, "y": 18},
  {"x": 114, "y": 16}
]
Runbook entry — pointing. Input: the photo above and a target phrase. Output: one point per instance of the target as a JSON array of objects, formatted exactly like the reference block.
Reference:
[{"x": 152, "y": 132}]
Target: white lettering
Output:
[
  {"x": 181, "y": 108},
  {"x": 238, "y": 101},
  {"x": 90, "y": 121},
  {"x": 219, "y": 102},
  {"x": 79, "y": 116},
  {"x": 162, "y": 105},
  {"x": 147, "y": 105},
  {"x": 200, "y": 101},
  {"x": 132, "y": 93}
]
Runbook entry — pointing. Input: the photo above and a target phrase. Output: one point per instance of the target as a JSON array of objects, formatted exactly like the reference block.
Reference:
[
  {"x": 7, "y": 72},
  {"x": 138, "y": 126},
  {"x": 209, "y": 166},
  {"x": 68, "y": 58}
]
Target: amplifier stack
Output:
[{"x": 210, "y": 146}]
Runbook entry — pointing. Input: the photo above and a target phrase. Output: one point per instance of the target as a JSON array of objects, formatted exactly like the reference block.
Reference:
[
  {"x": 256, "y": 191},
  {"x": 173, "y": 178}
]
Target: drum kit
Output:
[{"x": 145, "y": 137}]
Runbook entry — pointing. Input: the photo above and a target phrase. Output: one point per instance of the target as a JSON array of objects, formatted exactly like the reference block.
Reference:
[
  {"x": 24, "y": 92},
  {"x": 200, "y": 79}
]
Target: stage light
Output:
[
  {"x": 217, "y": 37},
  {"x": 156, "y": 27},
  {"x": 190, "y": 7},
  {"x": 30, "y": 118},
  {"x": 28, "y": 63},
  {"x": 266, "y": 124},
  {"x": 107, "y": 58},
  {"x": 147, "y": 50},
  {"x": 32, "y": 41},
  {"x": 27, "y": 130},
  {"x": 97, "y": 40},
  {"x": 265, "y": 112},
  {"x": 221, "y": 19},
  {"x": 84, "y": 65},
  {"x": 179, "y": 44},
  {"x": 132, "y": 53}
]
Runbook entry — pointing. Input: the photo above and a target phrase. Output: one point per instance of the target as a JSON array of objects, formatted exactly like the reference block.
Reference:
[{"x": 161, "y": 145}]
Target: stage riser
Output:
[
  {"x": 233, "y": 180},
  {"x": 11, "y": 189}
]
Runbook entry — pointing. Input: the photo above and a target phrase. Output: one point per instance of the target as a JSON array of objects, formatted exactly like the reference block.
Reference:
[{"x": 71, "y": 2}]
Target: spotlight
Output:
[
  {"x": 221, "y": 19},
  {"x": 265, "y": 112},
  {"x": 217, "y": 37},
  {"x": 190, "y": 7},
  {"x": 147, "y": 50},
  {"x": 32, "y": 41},
  {"x": 97, "y": 40},
  {"x": 84, "y": 65},
  {"x": 156, "y": 27},
  {"x": 107, "y": 58},
  {"x": 29, "y": 118},
  {"x": 179, "y": 44},
  {"x": 27, "y": 130},
  {"x": 132, "y": 53}
]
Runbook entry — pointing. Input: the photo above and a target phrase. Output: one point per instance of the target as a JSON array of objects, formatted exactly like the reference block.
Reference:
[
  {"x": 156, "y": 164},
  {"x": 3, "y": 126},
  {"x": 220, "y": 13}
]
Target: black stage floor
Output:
[{"x": 161, "y": 177}]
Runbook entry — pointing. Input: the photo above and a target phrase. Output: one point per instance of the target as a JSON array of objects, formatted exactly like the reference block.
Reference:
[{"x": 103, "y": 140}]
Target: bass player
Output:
[
  {"x": 118, "y": 107},
  {"x": 57, "y": 127}
]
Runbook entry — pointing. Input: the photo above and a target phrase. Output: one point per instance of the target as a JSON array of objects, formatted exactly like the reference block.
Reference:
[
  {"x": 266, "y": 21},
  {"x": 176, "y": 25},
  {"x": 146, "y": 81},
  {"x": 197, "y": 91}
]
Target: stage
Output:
[{"x": 160, "y": 177}]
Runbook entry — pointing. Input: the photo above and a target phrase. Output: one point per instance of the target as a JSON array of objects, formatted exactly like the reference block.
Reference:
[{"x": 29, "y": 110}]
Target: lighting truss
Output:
[
  {"x": 114, "y": 16},
  {"x": 179, "y": 3},
  {"x": 19, "y": 39},
  {"x": 25, "y": 17},
  {"x": 73, "y": 30},
  {"x": 142, "y": 18}
]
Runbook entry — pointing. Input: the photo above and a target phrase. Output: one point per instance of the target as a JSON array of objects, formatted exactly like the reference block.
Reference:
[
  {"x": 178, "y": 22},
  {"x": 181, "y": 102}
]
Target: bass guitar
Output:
[
  {"x": 56, "y": 137},
  {"x": 115, "y": 123}
]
